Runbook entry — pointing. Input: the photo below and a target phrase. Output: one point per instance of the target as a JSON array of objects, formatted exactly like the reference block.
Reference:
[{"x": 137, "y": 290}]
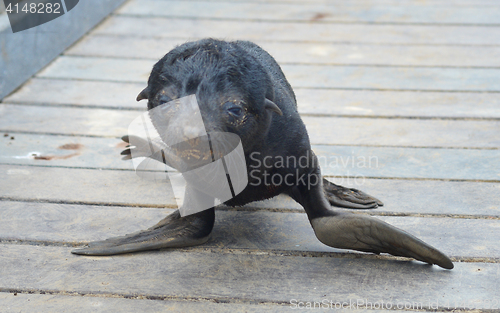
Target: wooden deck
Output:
[{"x": 413, "y": 86}]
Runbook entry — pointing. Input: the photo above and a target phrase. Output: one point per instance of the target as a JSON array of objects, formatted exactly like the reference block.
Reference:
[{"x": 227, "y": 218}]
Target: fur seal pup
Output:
[{"x": 241, "y": 89}]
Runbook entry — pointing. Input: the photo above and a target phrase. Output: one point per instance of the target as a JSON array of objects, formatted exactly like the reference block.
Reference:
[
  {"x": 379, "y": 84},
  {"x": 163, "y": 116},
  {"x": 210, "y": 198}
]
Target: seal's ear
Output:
[
  {"x": 144, "y": 94},
  {"x": 269, "y": 105}
]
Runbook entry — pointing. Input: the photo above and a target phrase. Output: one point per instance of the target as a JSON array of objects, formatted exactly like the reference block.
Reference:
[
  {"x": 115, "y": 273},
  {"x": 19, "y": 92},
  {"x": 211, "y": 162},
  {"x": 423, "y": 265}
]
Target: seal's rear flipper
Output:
[
  {"x": 349, "y": 197},
  {"x": 364, "y": 233},
  {"x": 173, "y": 231},
  {"x": 359, "y": 232}
]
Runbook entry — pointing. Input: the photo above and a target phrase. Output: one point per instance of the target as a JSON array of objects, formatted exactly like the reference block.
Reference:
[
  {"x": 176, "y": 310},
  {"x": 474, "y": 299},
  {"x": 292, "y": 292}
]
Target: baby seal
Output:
[{"x": 241, "y": 89}]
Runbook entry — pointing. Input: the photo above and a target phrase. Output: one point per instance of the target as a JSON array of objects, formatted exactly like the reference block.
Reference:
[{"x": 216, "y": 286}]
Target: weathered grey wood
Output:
[
  {"x": 59, "y": 222},
  {"x": 304, "y": 52},
  {"x": 82, "y": 185},
  {"x": 408, "y": 162},
  {"x": 349, "y": 162},
  {"x": 113, "y": 187},
  {"x": 312, "y": 76},
  {"x": 402, "y": 78},
  {"x": 416, "y": 197},
  {"x": 49, "y": 150},
  {"x": 367, "y": 33},
  {"x": 398, "y": 103},
  {"x": 260, "y": 277},
  {"x": 333, "y": 12},
  {"x": 99, "y": 69},
  {"x": 22, "y": 302},
  {"x": 378, "y": 2},
  {"x": 113, "y": 46},
  {"x": 403, "y": 132},
  {"x": 253, "y": 256},
  {"x": 379, "y": 54},
  {"x": 49, "y": 222},
  {"x": 311, "y": 101},
  {"x": 69, "y": 121},
  {"x": 82, "y": 93},
  {"x": 322, "y": 130}
]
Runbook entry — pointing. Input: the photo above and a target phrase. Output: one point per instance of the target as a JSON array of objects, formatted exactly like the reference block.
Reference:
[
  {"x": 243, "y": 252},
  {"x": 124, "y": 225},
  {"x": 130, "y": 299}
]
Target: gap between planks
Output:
[
  {"x": 298, "y": 21},
  {"x": 63, "y": 301},
  {"x": 102, "y": 294},
  {"x": 141, "y": 109},
  {"x": 249, "y": 208},
  {"x": 256, "y": 252}
]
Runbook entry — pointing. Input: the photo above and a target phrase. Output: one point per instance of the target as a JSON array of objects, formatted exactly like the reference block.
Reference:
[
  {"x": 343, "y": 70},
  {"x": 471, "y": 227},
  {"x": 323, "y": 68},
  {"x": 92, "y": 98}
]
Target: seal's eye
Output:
[{"x": 234, "y": 109}]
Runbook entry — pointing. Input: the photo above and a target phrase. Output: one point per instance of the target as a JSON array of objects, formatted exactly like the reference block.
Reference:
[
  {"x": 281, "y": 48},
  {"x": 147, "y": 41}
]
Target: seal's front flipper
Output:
[
  {"x": 349, "y": 197},
  {"x": 173, "y": 231},
  {"x": 364, "y": 233}
]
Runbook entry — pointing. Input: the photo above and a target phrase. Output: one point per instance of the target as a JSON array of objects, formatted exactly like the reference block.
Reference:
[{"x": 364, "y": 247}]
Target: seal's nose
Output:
[{"x": 191, "y": 131}]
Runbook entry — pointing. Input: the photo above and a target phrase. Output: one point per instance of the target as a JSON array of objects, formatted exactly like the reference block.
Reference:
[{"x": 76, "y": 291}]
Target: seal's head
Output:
[{"x": 233, "y": 92}]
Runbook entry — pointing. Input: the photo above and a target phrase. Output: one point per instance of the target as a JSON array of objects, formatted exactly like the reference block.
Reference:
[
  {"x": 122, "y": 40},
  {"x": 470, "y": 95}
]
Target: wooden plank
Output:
[
  {"x": 355, "y": 162},
  {"x": 311, "y": 101},
  {"x": 309, "y": 76},
  {"x": 261, "y": 277},
  {"x": 67, "y": 121},
  {"x": 82, "y": 186},
  {"x": 81, "y": 93},
  {"x": 97, "y": 45},
  {"x": 325, "y": 13},
  {"x": 286, "y": 31},
  {"x": 398, "y": 103},
  {"x": 25, "y": 302},
  {"x": 403, "y": 132},
  {"x": 74, "y": 224},
  {"x": 378, "y": 2},
  {"x": 380, "y": 55},
  {"x": 99, "y": 69},
  {"x": 418, "y": 197},
  {"x": 322, "y": 130},
  {"x": 304, "y": 52},
  {"x": 292, "y": 231},
  {"x": 111, "y": 187},
  {"x": 275, "y": 231},
  {"x": 408, "y": 162},
  {"x": 399, "y": 78},
  {"x": 67, "y": 151}
]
